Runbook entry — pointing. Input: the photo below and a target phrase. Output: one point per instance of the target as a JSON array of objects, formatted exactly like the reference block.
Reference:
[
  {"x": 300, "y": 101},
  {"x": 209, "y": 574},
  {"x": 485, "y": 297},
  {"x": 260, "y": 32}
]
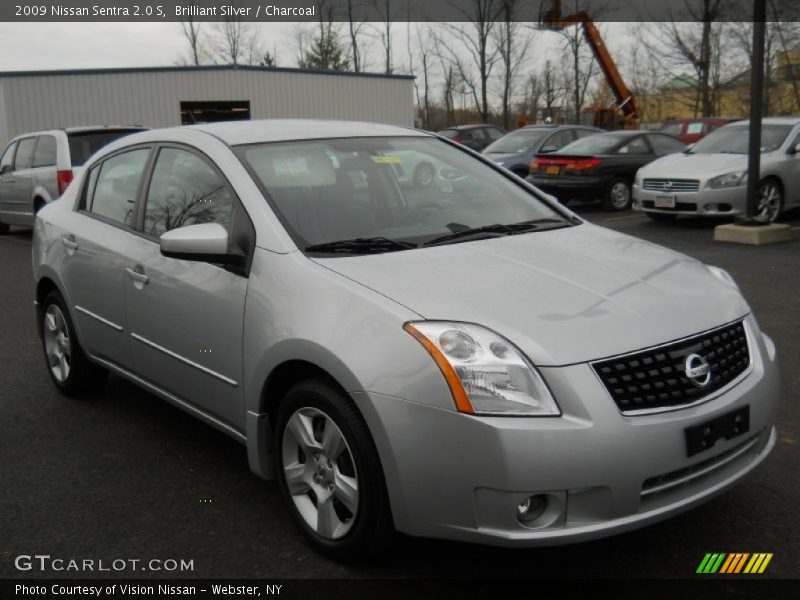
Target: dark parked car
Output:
[
  {"x": 516, "y": 150},
  {"x": 600, "y": 166},
  {"x": 476, "y": 137},
  {"x": 693, "y": 130}
]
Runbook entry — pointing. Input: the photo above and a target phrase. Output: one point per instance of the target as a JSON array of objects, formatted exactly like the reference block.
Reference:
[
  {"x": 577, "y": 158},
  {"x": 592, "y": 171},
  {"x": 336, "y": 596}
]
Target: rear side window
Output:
[
  {"x": 559, "y": 139},
  {"x": 449, "y": 133},
  {"x": 7, "y": 160},
  {"x": 663, "y": 144},
  {"x": 116, "y": 184},
  {"x": 45, "y": 155},
  {"x": 495, "y": 133},
  {"x": 24, "y": 153},
  {"x": 694, "y": 128},
  {"x": 85, "y": 143},
  {"x": 477, "y": 134},
  {"x": 582, "y": 133},
  {"x": 185, "y": 190}
]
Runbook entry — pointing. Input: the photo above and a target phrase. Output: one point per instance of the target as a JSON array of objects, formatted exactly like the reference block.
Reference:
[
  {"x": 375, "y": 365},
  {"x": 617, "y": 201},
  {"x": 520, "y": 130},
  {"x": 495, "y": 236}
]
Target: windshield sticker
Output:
[
  {"x": 292, "y": 167},
  {"x": 387, "y": 160}
]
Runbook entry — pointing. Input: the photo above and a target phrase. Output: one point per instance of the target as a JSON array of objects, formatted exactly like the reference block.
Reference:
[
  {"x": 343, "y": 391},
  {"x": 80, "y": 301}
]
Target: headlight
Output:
[
  {"x": 728, "y": 180},
  {"x": 723, "y": 275},
  {"x": 638, "y": 179},
  {"x": 486, "y": 373}
]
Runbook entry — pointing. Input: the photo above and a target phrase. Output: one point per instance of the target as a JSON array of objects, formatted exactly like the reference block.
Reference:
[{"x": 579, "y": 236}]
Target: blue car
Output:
[{"x": 517, "y": 149}]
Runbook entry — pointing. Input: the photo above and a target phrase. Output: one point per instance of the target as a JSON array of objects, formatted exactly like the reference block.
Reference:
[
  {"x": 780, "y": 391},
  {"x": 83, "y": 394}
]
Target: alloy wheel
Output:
[
  {"x": 769, "y": 200},
  {"x": 57, "y": 343},
  {"x": 423, "y": 175},
  {"x": 620, "y": 195},
  {"x": 320, "y": 474}
]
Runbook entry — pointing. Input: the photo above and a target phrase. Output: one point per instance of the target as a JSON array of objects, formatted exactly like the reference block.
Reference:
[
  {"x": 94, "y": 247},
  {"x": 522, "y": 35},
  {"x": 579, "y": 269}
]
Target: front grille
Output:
[
  {"x": 671, "y": 185},
  {"x": 656, "y": 377}
]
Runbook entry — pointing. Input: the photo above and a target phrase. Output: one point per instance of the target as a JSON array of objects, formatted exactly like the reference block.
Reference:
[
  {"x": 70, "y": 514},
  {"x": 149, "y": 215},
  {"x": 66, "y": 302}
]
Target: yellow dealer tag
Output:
[{"x": 387, "y": 160}]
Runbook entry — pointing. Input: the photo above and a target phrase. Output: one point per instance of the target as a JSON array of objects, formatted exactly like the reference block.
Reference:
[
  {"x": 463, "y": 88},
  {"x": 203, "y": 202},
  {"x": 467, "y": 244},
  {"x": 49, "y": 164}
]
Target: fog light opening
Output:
[
  {"x": 710, "y": 207},
  {"x": 531, "y": 508}
]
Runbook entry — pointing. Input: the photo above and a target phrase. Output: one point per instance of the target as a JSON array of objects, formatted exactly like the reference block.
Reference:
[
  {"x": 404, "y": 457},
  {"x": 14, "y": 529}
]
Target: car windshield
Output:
[
  {"x": 368, "y": 192},
  {"x": 516, "y": 142},
  {"x": 594, "y": 144},
  {"x": 734, "y": 139},
  {"x": 83, "y": 144}
]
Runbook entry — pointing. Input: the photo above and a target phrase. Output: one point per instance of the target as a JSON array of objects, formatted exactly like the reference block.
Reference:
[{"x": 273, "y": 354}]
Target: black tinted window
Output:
[
  {"x": 45, "y": 155},
  {"x": 117, "y": 184},
  {"x": 83, "y": 144},
  {"x": 185, "y": 190},
  {"x": 24, "y": 153},
  {"x": 635, "y": 146},
  {"x": 7, "y": 160}
]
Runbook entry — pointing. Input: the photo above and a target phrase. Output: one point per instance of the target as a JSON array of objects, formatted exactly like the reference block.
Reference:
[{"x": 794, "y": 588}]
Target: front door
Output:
[
  {"x": 16, "y": 204},
  {"x": 186, "y": 317}
]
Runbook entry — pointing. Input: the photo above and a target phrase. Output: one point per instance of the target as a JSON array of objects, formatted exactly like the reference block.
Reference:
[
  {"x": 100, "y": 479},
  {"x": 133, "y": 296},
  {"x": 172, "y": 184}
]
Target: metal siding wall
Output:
[
  {"x": 4, "y": 137},
  {"x": 153, "y": 99}
]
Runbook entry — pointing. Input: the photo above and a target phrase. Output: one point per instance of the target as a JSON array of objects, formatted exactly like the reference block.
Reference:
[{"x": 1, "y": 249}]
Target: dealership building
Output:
[{"x": 169, "y": 96}]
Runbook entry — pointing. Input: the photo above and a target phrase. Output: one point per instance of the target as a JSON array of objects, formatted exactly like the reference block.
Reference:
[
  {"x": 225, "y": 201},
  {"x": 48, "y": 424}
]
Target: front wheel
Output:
[
  {"x": 618, "y": 195},
  {"x": 69, "y": 369},
  {"x": 769, "y": 200},
  {"x": 330, "y": 474}
]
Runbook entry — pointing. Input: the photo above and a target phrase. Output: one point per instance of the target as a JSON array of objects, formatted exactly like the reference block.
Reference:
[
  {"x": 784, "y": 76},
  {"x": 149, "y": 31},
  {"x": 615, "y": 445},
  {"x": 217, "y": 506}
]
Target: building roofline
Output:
[{"x": 200, "y": 68}]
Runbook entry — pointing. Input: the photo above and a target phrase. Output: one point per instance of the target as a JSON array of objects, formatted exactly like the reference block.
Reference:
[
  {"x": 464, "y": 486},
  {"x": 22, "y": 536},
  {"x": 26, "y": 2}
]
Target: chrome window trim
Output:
[{"x": 98, "y": 318}]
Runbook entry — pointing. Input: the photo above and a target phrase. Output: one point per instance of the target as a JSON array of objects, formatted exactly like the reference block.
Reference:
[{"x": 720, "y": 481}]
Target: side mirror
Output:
[
  {"x": 547, "y": 149},
  {"x": 207, "y": 242}
]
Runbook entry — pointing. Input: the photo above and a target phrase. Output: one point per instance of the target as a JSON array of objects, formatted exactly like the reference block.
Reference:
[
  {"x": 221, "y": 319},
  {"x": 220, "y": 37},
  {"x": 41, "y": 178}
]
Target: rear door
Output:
[
  {"x": 186, "y": 317},
  {"x": 93, "y": 266},
  {"x": 631, "y": 156},
  {"x": 16, "y": 202},
  {"x": 6, "y": 177}
]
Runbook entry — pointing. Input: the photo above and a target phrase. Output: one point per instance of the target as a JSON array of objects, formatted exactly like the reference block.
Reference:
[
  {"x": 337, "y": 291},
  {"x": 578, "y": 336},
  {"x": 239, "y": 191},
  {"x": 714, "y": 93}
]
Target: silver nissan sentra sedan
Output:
[{"x": 465, "y": 360}]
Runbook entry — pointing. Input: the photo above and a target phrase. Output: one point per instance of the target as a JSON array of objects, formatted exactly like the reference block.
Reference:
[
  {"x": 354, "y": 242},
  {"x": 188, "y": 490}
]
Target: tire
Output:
[
  {"x": 770, "y": 199},
  {"x": 349, "y": 481},
  {"x": 3, "y": 228},
  {"x": 69, "y": 368},
  {"x": 520, "y": 173},
  {"x": 618, "y": 195},
  {"x": 661, "y": 217},
  {"x": 424, "y": 174}
]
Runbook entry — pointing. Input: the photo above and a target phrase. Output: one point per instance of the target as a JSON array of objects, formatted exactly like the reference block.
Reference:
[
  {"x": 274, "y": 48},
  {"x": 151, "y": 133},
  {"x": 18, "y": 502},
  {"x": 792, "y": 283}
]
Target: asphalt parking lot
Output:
[{"x": 128, "y": 476}]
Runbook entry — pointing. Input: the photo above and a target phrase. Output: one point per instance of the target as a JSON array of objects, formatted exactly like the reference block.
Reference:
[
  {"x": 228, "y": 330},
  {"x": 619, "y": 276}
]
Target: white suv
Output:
[{"x": 36, "y": 168}]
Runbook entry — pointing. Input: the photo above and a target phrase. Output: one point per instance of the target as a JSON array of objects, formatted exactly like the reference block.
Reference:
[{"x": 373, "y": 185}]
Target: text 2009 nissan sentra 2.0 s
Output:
[{"x": 465, "y": 359}]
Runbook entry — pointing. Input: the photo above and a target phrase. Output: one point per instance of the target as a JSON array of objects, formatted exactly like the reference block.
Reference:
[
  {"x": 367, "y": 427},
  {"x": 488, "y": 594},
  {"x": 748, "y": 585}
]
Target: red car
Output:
[{"x": 693, "y": 130}]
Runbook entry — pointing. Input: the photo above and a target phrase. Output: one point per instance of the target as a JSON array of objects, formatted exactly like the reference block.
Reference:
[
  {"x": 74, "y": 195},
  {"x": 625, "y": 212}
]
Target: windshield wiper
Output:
[
  {"x": 532, "y": 224},
  {"x": 361, "y": 246},
  {"x": 487, "y": 231}
]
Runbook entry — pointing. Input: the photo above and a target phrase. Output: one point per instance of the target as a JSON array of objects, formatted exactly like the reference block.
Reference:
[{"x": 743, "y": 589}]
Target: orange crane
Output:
[{"x": 550, "y": 17}]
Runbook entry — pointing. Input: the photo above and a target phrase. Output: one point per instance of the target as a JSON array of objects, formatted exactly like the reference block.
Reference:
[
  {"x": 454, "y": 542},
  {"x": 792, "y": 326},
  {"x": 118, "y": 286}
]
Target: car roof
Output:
[
  {"x": 768, "y": 121},
  {"x": 83, "y": 129},
  {"x": 236, "y": 133},
  {"x": 473, "y": 126}
]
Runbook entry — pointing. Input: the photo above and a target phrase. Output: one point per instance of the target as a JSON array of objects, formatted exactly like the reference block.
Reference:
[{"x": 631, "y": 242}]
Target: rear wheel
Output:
[
  {"x": 618, "y": 195},
  {"x": 330, "y": 474},
  {"x": 71, "y": 372},
  {"x": 661, "y": 217},
  {"x": 769, "y": 200}
]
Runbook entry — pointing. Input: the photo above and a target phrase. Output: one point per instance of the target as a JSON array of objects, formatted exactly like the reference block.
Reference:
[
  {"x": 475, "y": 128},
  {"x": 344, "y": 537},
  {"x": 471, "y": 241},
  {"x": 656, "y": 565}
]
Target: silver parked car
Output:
[
  {"x": 710, "y": 179},
  {"x": 37, "y": 167},
  {"x": 479, "y": 366}
]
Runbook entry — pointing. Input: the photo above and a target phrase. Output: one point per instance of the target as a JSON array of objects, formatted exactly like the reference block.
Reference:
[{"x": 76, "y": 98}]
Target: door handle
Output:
[
  {"x": 69, "y": 242},
  {"x": 137, "y": 274}
]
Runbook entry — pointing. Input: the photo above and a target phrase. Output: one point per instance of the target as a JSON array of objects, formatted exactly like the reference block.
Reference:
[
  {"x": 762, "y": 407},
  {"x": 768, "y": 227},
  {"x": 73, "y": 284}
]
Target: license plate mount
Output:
[
  {"x": 553, "y": 170},
  {"x": 665, "y": 201},
  {"x": 730, "y": 425}
]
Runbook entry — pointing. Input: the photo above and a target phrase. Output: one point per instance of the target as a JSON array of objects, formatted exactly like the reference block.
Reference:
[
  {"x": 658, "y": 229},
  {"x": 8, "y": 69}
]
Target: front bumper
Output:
[
  {"x": 460, "y": 477},
  {"x": 567, "y": 187},
  {"x": 709, "y": 203}
]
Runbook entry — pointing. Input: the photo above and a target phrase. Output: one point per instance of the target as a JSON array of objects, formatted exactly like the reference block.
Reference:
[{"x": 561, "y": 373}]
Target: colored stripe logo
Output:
[{"x": 734, "y": 563}]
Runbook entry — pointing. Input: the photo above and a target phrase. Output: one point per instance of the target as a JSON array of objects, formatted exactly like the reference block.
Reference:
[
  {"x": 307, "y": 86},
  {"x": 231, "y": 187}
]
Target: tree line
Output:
[{"x": 489, "y": 67}]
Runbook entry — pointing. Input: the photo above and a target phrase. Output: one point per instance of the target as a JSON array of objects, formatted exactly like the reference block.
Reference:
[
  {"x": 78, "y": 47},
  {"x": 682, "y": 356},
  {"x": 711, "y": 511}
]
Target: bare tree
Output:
[
  {"x": 355, "y": 12},
  {"x": 513, "y": 41},
  {"x": 476, "y": 40},
  {"x": 449, "y": 78},
  {"x": 191, "y": 31},
  {"x": 425, "y": 53},
  {"x": 236, "y": 42},
  {"x": 387, "y": 11}
]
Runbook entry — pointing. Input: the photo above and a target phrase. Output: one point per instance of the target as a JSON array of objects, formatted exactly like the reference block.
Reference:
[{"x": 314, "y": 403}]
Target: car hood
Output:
[
  {"x": 701, "y": 166},
  {"x": 563, "y": 296}
]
